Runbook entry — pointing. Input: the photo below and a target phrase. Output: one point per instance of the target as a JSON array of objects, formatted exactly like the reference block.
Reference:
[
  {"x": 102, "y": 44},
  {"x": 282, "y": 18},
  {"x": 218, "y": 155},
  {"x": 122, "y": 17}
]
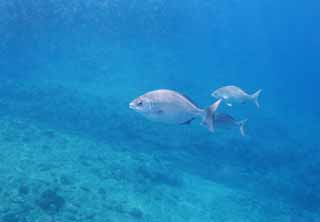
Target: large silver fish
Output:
[
  {"x": 226, "y": 121},
  {"x": 233, "y": 94},
  {"x": 168, "y": 106}
]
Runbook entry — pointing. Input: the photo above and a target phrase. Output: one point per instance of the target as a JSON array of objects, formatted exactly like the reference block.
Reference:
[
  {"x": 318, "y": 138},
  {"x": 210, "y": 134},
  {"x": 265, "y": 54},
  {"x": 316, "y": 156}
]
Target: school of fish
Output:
[{"x": 169, "y": 106}]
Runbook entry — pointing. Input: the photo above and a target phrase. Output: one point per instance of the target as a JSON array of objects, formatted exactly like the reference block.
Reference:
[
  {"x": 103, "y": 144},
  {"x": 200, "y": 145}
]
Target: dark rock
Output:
[
  {"x": 50, "y": 202},
  {"x": 45, "y": 167},
  {"x": 136, "y": 213},
  {"x": 49, "y": 134},
  {"x": 66, "y": 180},
  {"x": 24, "y": 190},
  {"x": 90, "y": 216},
  {"x": 46, "y": 148},
  {"x": 159, "y": 177},
  {"x": 102, "y": 191},
  {"x": 119, "y": 208},
  {"x": 11, "y": 217},
  {"x": 86, "y": 189},
  {"x": 26, "y": 139}
]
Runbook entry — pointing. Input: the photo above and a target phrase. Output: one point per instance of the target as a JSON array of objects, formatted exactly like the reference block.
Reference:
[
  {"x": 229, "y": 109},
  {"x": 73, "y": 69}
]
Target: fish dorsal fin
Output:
[{"x": 188, "y": 98}]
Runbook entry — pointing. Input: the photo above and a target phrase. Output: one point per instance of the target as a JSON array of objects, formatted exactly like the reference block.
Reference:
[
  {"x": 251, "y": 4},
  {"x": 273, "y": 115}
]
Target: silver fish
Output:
[
  {"x": 171, "y": 107},
  {"x": 233, "y": 94},
  {"x": 227, "y": 122}
]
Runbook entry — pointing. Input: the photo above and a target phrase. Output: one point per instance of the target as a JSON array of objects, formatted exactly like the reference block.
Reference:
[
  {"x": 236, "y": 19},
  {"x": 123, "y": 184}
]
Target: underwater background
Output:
[{"x": 72, "y": 150}]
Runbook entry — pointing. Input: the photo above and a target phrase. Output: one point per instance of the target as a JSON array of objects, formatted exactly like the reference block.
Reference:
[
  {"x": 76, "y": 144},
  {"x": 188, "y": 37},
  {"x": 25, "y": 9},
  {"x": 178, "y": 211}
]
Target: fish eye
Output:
[{"x": 139, "y": 104}]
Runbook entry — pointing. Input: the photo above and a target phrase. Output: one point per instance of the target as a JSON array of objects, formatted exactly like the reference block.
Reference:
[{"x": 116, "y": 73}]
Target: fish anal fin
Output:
[
  {"x": 242, "y": 124},
  {"x": 229, "y": 104},
  {"x": 187, "y": 122}
]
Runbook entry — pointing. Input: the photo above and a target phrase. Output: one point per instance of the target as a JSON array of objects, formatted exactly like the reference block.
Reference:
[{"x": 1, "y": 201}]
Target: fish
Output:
[
  {"x": 233, "y": 94},
  {"x": 171, "y": 107},
  {"x": 226, "y": 121}
]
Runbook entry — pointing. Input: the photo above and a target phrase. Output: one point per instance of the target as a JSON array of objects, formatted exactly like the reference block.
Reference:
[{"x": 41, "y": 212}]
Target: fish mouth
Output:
[{"x": 131, "y": 106}]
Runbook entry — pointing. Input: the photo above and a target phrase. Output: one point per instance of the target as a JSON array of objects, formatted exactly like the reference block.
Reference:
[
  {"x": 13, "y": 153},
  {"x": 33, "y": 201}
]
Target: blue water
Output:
[{"x": 72, "y": 150}]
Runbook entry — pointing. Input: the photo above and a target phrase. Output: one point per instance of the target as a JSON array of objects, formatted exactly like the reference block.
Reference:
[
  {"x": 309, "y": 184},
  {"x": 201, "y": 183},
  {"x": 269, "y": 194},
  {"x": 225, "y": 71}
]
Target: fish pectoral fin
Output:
[
  {"x": 159, "y": 112},
  {"x": 187, "y": 122}
]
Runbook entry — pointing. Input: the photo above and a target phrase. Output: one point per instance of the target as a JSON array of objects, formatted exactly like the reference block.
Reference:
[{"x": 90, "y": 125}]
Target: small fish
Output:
[
  {"x": 227, "y": 122},
  {"x": 233, "y": 94},
  {"x": 171, "y": 107}
]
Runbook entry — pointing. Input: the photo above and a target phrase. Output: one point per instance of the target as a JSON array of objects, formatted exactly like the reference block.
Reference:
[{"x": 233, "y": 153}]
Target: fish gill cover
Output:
[{"x": 72, "y": 150}]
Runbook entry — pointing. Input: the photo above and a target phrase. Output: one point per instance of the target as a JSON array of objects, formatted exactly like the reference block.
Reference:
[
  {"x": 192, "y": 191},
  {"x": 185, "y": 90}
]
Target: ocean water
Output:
[{"x": 72, "y": 150}]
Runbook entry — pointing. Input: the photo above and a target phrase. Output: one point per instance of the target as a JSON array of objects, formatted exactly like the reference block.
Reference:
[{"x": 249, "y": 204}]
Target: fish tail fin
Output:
[
  {"x": 255, "y": 97},
  {"x": 242, "y": 124},
  {"x": 208, "y": 119}
]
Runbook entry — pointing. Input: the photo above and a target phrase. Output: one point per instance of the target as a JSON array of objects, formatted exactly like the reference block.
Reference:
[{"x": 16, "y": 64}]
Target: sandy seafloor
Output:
[{"x": 68, "y": 155}]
